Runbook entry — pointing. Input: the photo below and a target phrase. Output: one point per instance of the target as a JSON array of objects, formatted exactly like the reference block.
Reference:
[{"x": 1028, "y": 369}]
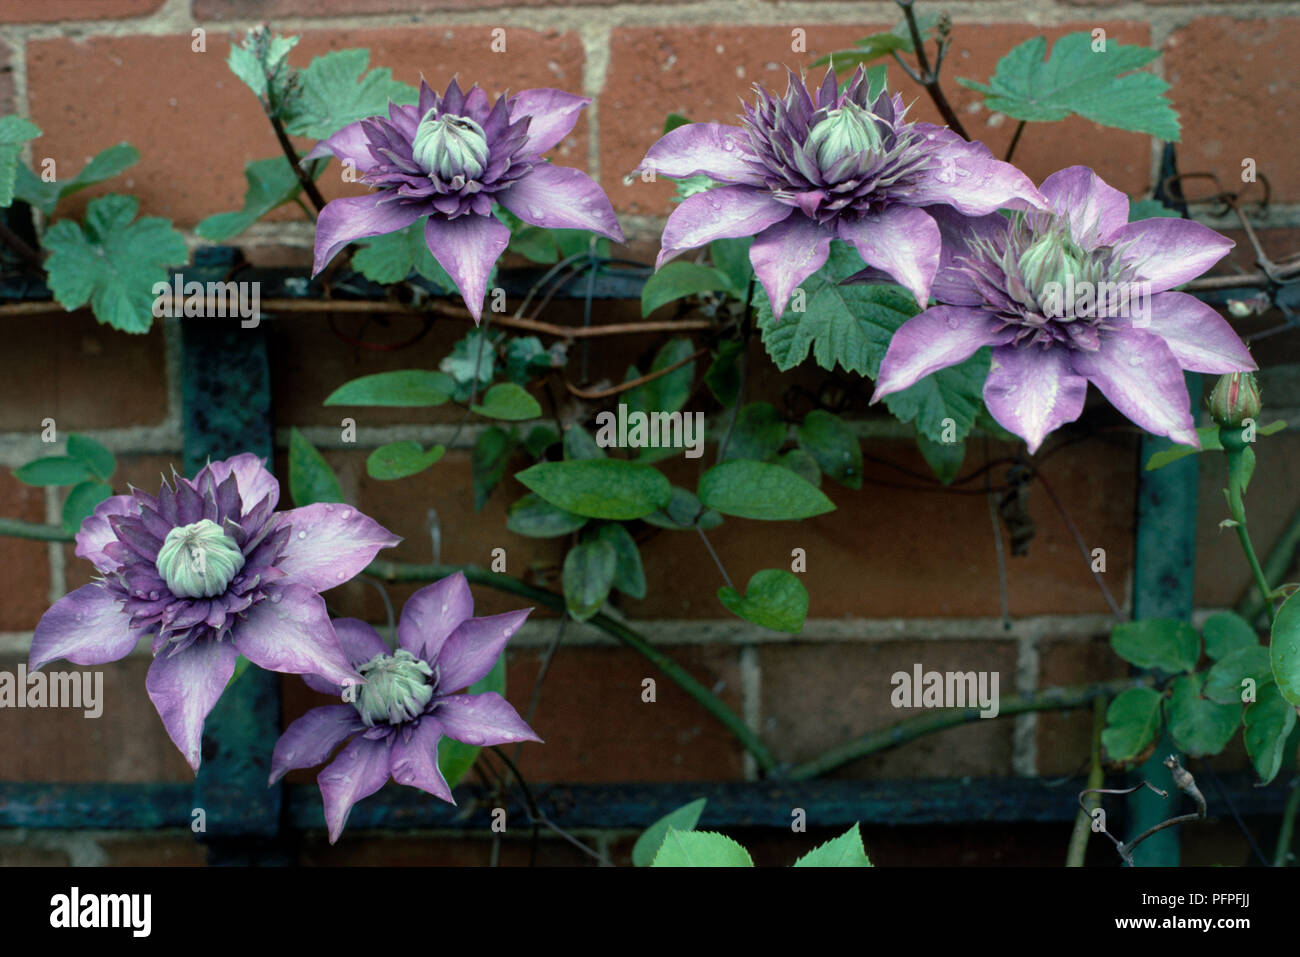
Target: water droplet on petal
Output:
[
  {"x": 728, "y": 145},
  {"x": 275, "y": 598},
  {"x": 302, "y": 534},
  {"x": 342, "y": 576},
  {"x": 1135, "y": 360},
  {"x": 347, "y": 513},
  {"x": 536, "y": 213}
]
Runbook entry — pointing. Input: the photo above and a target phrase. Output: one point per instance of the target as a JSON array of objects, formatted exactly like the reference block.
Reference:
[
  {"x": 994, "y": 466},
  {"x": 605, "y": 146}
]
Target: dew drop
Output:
[
  {"x": 302, "y": 534},
  {"x": 275, "y": 599},
  {"x": 342, "y": 576},
  {"x": 329, "y": 508},
  {"x": 1135, "y": 360},
  {"x": 536, "y": 213},
  {"x": 153, "y": 596},
  {"x": 347, "y": 513},
  {"x": 728, "y": 145}
]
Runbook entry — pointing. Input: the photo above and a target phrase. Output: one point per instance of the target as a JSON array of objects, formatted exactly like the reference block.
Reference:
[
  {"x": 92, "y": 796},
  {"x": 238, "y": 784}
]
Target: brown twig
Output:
[
  {"x": 929, "y": 78},
  {"x": 19, "y": 245},
  {"x": 631, "y": 383}
]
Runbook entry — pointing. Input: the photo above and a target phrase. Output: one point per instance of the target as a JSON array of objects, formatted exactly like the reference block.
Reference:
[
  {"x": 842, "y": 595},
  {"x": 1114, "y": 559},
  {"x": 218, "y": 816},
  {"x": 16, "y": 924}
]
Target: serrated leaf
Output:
[
  {"x": 588, "y": 576},
  {"x": 1132, "y": 720},
  {"x": 455, "y": 758},
  {"x": 684, "y": 511},
  {"x": 599, "y": 488},
  {"x": 758, "y": 433},
  {"x": 1267, "y": 723},
  {"x": 881, "y": 44},
  {"x": 1164, "y": 643},
  {"x": 402, "y": 387},
  {"x": 44, "y": 196},
  {"x": 700, "y": 849},
  {"x": 98, "y": 459},
  {"x": 509, "y": 403},
  {"x": 472, "y": 359},
  {"x": 534, "y": 517},
  {"x": 953, "y": 393},
  {"x": 1284, "y": 649},
  {"x": 14, "y": 132},
  {"x": 629, "y": 575},
  {"x": 827, "y": 439},
  {"x": 81, "y": 502},
  {"x": 759, "y": 490},
  {"x": 774, "y": 598},
  {"x": 1098, "y": 85},
  {"x": 679, "y": 279},
  {"x": 526, "y": 357},
  {"x": 53, "y": 470},
  {"x": 488, "y": 462},
  {"x": 398, "y": 460},
  {"x": 1197, "y": 725},
  {"x": 336, "y": 91},
  {"x": 1226, "y": 632},
  {"x": 843, "y": 851},
  {"x": 271, "y": 183},
  {"x": 311, "y": 479},
  {"x": 944, "y": 458},
  {"x": 652, "y": 838},
  {"x": 1223, "y": 682}
]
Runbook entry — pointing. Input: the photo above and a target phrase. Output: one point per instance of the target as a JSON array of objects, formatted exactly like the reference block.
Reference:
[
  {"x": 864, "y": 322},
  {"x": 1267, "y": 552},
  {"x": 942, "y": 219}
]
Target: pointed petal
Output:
[
  {"x": 473, "y": 648},
  {"x": 349, "y": 144},
  {"x": 967, "y": 177},
  {"x": 951, "y": 286},
  {"x": 1168, "y": 252},
  {"x": 432, "y": 614},
  {"x": 311, "y": 739},
  {"x": 723, "y": 213},
  {"x": 709, "y": 149},
  {"x": 293, "y": 635},
  {"x": 359, "y": 641},
  {"x": 251, "y": 477},
  {"x": 96, "y": 532},
  {"x": 482, "y": 720},
  {"x": 939, "y": 337},
  {"x": 467, "y": 248},
  {"x": 1095, "y": 209},
  {"x": 414, "y": 760},
  {"x": 902, "y": 241},
  {"x": 1200, "y": 339},
  {"x": 786, "y": 254},
  {"x": 359, "y": 771},
  {"x": 1138, "y": 373},
  {"x": 86, "y": 627},
  {"x": 1031, "y": 391},
  {"x": 329, "y": 544},
  {"x": 184, "y": 687},
  {"x": 356, "y": 217},
  {"x": 557, "y": 197},
  {"x": 551, "y": 115}
]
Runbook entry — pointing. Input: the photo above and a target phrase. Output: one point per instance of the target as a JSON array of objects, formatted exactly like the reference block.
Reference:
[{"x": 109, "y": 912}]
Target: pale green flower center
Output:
[
  {"x": 848, "y": 130},
  {"x": 199, "y": 560},
  {"x": 450, "y": 146},
  {"x": 1053, "y": 266},
  {"x": 398, "y": 688}
]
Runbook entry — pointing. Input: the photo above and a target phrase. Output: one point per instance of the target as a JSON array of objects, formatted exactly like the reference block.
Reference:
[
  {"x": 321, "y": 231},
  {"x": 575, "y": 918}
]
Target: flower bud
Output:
[
  {"x": 199, "y": 560},
  {"x": 398, "y": 688},
  {"x": 450, "y": 146},
  {"x": 1235, "y": 398},
  {"x": 846, "y": 131}
]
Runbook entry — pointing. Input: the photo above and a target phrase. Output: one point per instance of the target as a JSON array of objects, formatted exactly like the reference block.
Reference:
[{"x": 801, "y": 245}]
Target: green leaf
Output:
[
  {"x": 1149, "y": 209},
  {"x": 509, "y": 403},
  {"x": 488, "y": 462},
  {"x": 723, "y": 377},
  {"x": 731, "y": 256},
  {"x": 533, "y": 243},
  {"x": 539, "y": 439},
  {"x": 679, "y": 279},
  {"x": 826, "y": 438},
  {"x": 403, "y": 387},
  {"x": 1209, "y": 436},
  {"x": 389, "y": 258},
  {"x": 53, "y": 470},
  {"x": 44, "y": 196},
  {"x": 472, "y": 359},
  {"x": 398, "y": 460},
  {"x": 311, "y": 479},
  {"x": 14, "y": 132},
  {"x": 758, "y": 434},
  {"x": 652, "y": 838},
  {"x": 749, "y": 489},
  {"x": 1132, "y": 721},
  {"x": 1164, "y": 643},
  {"x": 1223, "y": 681},
  {"x": 669, "y": 392},
  {"x": 1197, "y": 725},
  {"x": 335, "y": 93},
  {"x": 1268, "y": 722},
  {"x": 113, "y": 264},
  {"x": 588, "y": 576},
  {"x": 455, "y": 758},
  {"x": 682, "y": 511},
  {"x": 774, "y": 598},
  {"x": 953, "y": 393},
  {"x": 99, "y": 459},
  {"x": 535, "y": 517},
  {"x": 527, "y": 357},
  {"x": 1284, "y": 649},
  {"x": 271, "y": 183},
  {"x": 1097, "y": 85},
  {"x": 944, "y": 458},
  {"x": 700, "y": 849},
  {"x": 843, "y": 851},
  {"x": 801, "y": 464},
  {"x": 599, "y": 488},
  {"x": 629, "y": 575},
  {"x": 259, "y": 54},
  {"x": 881, "y": 44},
  {"x": 579, "y": 444},
  {"x": 81, "y": 502},
  {"x": 1226, "y": 632},
  {"x": 673, "y": 121}
]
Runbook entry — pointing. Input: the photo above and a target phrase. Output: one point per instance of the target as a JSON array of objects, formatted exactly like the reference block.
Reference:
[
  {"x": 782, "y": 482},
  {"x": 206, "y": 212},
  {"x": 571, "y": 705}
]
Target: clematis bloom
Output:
[
  {"x": 449, "y": 158},
  {"x": 211, "y": 571},
  {"x": 805, "y": 169},
  {"x": 407, "y": 705},
  {"x": 1002, "y": 284}
]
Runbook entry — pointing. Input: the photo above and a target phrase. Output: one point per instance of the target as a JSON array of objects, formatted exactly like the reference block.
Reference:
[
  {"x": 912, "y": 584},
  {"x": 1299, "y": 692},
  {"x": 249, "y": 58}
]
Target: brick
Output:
[
  {"x": 26, "y": 11},
  {"x": 274, "y": 9},
  {"x": 154, "y": 849},
  {"x": 89, "y": 94},
  {"x": 68, "y": 365},
  {"x": 699, "y": 72},
  {"x": 27, "y": 563},
  {"x": 1065, "y": 737},
  {"x": 1226, "y": 78},
  {"x": 817, "y": 696},
  {"x": 19, "y": 855},
  {"x": 8, "y": 104}
]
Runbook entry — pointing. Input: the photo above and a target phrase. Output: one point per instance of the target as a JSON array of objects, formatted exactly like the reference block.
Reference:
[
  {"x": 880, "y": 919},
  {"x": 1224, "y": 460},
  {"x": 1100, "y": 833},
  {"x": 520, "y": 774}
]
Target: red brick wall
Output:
[{"x": 896, "y": 576}]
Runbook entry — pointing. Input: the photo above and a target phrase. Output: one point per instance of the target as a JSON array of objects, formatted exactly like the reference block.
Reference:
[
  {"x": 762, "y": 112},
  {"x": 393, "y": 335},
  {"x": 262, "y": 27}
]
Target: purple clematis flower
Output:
[
  {"x": 1068, "y": 297},
  {"x": 449, "y": 158},
  {"x": 211, "y": 571},
  {"x": 801, "y": 171},
  {"x": 396, "y": 719}
]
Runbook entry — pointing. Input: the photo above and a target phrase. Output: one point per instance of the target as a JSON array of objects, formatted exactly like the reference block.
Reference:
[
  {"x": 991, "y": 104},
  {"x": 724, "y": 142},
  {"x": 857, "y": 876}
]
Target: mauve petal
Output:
[
  {"x": 786, "y": 254},
  {"x": 709, "y": 149},
  {"x": 359, "y": 771},
  {"x": 317, "y": 683},
  {"x": 255, "y": 483},
  {"x": 467, "y": 248},
  {"x": 357, "y": 217},
  {"x": 311, "y": 739},
  {"x": 1095, "y": 209},
  {"x": 86, "y": 627},
  {"x": 1168, "y": 252},
  {"x": 473, "y": 648},
  {"x": 952, "y": 286},
  {"x": 95, "y": 531},
  {"x": 902, "y": 241},
  {"x": 968, "y": 177},
  {"x": 557, "y": 197},
  {"x": 359, "y": 641},
  {"x": 184, "y": 687},
  {"x": 1138, "y": 373},
  {"x": 414, "y": 760},
  {"x": 723, "y": 213},
  {"x": 941, "y": 336},
  {"x": 348, "y": 144},
  {"x": 482, "y": 720},
  {"x": 294, "y": 636},
  {"x": 432, "y": 614},
  {"x": 1031, "y": 391},
  {"x": 329, "y": 544},
  {"x": 551, "y": 115},
  {"x": 1200, "y": 339}
]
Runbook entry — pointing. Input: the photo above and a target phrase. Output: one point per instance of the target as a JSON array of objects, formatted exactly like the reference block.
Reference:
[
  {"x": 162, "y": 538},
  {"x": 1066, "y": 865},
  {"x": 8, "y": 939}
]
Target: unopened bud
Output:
[{"x": 1235, "y": 398}]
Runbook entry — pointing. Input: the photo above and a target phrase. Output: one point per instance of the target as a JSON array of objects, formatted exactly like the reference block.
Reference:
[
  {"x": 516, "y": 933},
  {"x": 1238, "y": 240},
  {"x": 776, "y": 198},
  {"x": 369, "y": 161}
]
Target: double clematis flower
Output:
[
  {"x": 1007, "y": 282},
  {"x": 449, "y": 158},
  {"x": 805, "y": 169},
  {"x": 211, "y": 571},
  {"x": 396, "y": 719}
]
